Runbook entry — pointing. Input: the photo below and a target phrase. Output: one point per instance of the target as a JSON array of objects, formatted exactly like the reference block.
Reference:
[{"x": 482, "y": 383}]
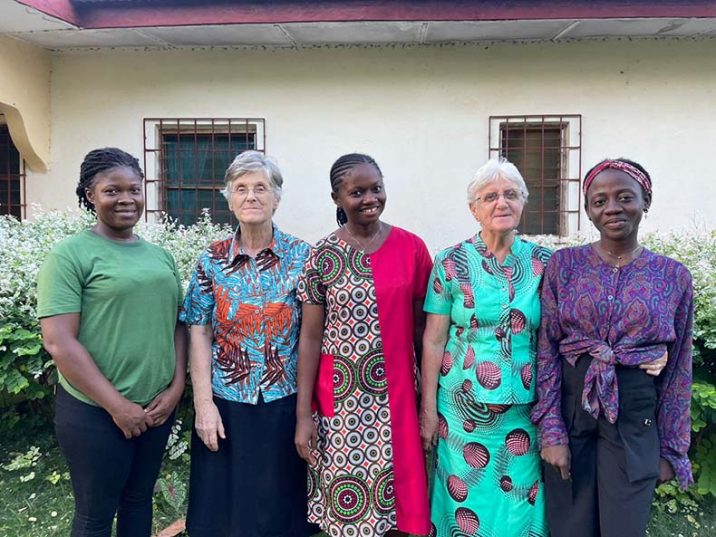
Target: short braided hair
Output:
[
  {"x": 339, "y": 170},
  {"x": 98, "y": 161}
]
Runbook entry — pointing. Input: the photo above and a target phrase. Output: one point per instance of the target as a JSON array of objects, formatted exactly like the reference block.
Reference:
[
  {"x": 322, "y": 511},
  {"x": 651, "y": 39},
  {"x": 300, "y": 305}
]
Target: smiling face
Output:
[
  {"x": 252, "y": 198},
  {"x": 118, "y": 198},
  {"x": 503, "y": 213},
  {"x": 361, "y": 194},
  {"x": 615, "y": 203}
]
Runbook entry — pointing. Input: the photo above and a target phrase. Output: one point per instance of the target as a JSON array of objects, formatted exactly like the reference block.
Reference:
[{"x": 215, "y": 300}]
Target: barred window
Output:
[
  {"x": 12, "y": 176},
  {"x": 547, "y": 149},
  {"x": 185, "y": 161}
]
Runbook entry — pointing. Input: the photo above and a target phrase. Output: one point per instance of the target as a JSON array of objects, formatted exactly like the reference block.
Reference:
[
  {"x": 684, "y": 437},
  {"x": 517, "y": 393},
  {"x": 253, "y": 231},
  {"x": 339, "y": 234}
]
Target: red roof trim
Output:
[
  {"x": 102, "y": 15},
  {"x": 60, "y": 9}
]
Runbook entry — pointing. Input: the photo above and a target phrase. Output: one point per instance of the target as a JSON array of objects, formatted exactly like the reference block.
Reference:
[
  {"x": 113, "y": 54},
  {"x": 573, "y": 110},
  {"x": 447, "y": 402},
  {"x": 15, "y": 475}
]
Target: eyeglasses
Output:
[
  {"x": 492, "y": 197},
  {"x": 258, "y": 191}
]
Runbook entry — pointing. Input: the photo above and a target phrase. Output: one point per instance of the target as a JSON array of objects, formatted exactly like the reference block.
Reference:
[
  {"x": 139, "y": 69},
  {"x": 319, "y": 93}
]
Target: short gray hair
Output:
[
  {"x": 493, "y": 169},
  {"x": 253, "y": 161}
]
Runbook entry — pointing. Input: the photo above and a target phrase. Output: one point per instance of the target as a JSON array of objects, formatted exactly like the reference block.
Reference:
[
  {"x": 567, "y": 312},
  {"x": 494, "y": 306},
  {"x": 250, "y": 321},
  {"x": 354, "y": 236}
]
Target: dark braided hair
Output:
[
  {"x": 339, "y": 170},
  {"x": 98, "y": 161}
]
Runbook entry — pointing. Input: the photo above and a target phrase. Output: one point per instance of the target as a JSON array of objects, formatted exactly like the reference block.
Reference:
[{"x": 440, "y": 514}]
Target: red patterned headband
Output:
[{"x": 634, "y": 172}]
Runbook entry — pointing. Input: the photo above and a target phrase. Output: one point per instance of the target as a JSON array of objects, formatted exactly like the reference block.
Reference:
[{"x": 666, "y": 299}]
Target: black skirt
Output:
[{"x": 255, "y": 485}]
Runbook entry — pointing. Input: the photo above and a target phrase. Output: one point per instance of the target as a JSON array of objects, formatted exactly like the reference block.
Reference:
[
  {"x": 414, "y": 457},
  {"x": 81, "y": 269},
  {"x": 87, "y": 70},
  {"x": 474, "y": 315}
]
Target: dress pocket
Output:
[{"x": 323, "y": 390}]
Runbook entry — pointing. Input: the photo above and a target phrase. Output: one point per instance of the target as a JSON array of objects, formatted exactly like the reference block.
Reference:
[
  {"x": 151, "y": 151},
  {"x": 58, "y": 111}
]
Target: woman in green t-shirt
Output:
[{"x": 108, "y": 304}]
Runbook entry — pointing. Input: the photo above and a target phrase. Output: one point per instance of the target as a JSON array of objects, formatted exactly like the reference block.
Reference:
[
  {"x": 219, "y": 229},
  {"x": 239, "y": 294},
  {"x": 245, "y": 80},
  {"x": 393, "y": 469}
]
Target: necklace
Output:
[
  {"x": 364, "y": 246},
  {"x": 619, "y": 258}
]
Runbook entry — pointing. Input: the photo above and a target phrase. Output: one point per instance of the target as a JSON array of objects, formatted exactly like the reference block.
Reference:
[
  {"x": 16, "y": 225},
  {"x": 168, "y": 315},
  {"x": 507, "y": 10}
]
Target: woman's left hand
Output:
[
  {"x": 164, "y": 404},
  {"x": 656, "y": 367},
  {"x": 666, "y": 472}
]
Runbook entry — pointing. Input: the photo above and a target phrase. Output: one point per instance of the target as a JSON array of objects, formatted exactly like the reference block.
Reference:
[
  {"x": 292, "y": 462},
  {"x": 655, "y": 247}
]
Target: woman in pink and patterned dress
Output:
[{"x": 357, "y": 422}]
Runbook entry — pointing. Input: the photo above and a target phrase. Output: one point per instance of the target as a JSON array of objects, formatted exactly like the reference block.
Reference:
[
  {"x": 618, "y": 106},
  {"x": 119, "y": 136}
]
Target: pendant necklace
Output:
[
  {"x": 619, "y": 258},
  {"x": 364, "y": 246}
]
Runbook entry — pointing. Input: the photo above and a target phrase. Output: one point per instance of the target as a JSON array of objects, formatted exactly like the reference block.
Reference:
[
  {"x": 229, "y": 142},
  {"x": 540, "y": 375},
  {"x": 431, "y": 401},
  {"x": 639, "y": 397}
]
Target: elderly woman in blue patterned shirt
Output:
[{"x": 246, "y": 477}]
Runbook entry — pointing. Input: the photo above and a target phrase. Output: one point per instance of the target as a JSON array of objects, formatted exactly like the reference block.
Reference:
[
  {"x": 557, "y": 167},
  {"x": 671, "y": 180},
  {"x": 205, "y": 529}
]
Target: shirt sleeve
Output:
[
  {"x": 198, "y": 304},
  {"x": 674, "y": 395},
  {"x": 547, "y": 413},
  {"x": 59, "y": 286},
  {"x": 423, "y": 267},
  {"x": 438, "y": 298},
  {"x": 180, "y": 284},
  {"x": 311, "y": 289}
]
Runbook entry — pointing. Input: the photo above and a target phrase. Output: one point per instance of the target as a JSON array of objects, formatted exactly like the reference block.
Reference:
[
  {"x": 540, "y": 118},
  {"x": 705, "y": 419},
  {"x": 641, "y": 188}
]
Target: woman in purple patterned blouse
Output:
[{"x": 611, "y": 422}]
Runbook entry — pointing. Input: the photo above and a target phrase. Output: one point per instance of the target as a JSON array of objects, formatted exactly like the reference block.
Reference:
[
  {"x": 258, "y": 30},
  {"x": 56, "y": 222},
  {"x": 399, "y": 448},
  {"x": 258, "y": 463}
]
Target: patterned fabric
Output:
[
  {"x": 252, "y": 307},
  {"x": 488, "y": 469},
  {"x": 494, "y": 311},
  {"x": 365, "y": 394},
  {"x": 488, "y": 475},
  {"x": 629, "y": 315},
  {"x": 634, "y": 172}
]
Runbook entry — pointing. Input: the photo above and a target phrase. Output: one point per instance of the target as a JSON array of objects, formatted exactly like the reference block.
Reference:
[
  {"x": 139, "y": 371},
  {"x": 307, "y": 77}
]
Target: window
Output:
[
  {"x": 12, "y": 176},
  {"x": 548, "y": 152},
  {"x": 185, "y": 162}
]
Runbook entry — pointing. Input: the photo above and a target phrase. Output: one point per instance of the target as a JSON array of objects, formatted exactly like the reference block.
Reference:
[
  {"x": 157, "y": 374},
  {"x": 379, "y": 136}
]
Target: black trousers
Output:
[
  {"x": 109, "y": 473},
  {"x": 614, "y": 466}
]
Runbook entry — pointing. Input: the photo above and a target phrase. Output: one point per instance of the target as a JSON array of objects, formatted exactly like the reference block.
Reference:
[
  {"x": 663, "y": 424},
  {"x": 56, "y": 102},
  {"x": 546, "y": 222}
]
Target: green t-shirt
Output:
[
  {"x": 127, "y": 295},
  {"x": 494, "y": 314}
]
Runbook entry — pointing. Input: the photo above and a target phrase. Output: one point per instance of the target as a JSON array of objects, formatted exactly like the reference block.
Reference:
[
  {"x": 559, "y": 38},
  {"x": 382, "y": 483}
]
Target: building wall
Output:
[
  {"x": 25, "y": 98},
  {"x": 422, "y": 112}
]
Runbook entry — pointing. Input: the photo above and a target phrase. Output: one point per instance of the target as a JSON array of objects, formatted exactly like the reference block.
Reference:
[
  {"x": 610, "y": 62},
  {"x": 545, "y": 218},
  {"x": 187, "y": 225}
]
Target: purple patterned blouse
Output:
[{"x": 629, "y": 315}]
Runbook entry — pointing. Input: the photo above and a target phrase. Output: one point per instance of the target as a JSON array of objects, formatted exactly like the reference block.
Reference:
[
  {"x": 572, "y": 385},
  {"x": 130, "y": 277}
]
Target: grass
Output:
[{"x": 36, "y": 496}]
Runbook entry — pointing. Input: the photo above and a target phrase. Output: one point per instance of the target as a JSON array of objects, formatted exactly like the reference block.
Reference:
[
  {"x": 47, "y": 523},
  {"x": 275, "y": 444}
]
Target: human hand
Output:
[
  {"x": 208, "y": 424},
  {"x": 161, "y": 407},
  {"x": 655, "y": 367},
  {"x": 306, "y": 439},
  {"x": 131, "y": 419},
  {"x": 666, "y": 471},
  {"x": 428, "y": 428},
  {"x": 559, "y": 457}
]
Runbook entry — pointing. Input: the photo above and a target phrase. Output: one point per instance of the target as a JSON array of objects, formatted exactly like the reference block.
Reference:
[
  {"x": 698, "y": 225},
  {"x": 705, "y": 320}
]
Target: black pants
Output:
[
  {"x": 109, "y": 473},
  {"x": 614, "y": 466}
]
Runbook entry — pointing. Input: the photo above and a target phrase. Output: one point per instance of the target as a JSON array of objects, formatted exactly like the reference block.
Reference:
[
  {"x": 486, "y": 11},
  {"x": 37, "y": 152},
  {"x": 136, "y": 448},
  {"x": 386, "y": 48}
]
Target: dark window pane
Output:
[
  {"x": 11, "y": 178},
  {"x": 536, "y": 150},
  {"x": 193, "y": 167}
]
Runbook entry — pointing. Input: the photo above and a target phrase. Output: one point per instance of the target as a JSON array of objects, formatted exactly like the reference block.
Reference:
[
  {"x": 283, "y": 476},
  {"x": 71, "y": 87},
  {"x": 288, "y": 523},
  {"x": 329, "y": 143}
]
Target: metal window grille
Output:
[
  {"x": 185, "y": 160},
  {"x": 12, "y": 177},
  {"x": 547, "y": 149}
]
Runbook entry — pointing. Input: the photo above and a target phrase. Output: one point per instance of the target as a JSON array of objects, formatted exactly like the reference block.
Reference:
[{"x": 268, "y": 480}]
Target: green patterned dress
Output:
[{"x": 487, "y": 477}]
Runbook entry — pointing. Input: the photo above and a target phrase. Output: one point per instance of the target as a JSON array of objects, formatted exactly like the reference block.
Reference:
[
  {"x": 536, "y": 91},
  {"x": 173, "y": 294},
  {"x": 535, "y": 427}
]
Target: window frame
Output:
[
  {"x": 569, "y": 201},
  {"x": 7, "y": 177},
  {"x": 156, "y": 182}
]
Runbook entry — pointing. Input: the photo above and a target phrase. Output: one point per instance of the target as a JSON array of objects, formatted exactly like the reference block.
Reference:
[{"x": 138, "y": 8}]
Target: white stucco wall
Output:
[
  {"x": 421, "y": 112},
  {"x": 25, "y": 99}
]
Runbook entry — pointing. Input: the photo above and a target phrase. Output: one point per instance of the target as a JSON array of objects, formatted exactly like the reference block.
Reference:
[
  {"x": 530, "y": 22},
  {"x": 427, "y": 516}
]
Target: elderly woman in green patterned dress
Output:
[{"x": 479, "y": 353}]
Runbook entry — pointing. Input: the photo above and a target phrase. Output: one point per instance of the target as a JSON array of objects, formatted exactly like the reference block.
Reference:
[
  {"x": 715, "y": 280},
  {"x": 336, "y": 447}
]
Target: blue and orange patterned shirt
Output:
[{"x": 252, "y": 307}]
